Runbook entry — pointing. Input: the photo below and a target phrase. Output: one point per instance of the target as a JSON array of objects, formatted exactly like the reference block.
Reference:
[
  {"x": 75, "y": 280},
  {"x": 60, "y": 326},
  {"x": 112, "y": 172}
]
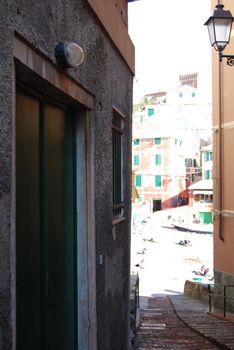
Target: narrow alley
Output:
[
  {"x": 179, "y": 322},
  {"x": 169, "y": 319}
]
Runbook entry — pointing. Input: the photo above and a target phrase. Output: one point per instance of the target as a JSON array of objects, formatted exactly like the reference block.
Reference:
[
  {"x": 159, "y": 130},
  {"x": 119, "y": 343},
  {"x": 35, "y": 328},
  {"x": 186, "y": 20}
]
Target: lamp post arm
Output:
[{"x": 230, "y": 59}]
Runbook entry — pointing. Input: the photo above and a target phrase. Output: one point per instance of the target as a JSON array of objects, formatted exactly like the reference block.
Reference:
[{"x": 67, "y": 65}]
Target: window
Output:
[
  {"x": 157, "y": 141},
  {"x": 181, "y": 94},
  {"x": 208, "y": 156},
  {"x": 136, "y": 160},
  {"x": 208, "y": 174},
  {"x": 117, "y": 159},
  {"x": 193, "y": 94},
  {"x": 136, "y": 142},
  {"x": 198, "y": 172},
  {"x": 158, "y": 180},
  {"x": 150, "y": 112},
  {"x": 158, "y": 159},
  {"x": 138, "y": 181}
]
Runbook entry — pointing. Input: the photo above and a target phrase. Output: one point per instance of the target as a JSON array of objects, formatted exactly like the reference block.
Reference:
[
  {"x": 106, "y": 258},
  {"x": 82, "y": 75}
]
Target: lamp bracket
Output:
[{"x": 230, "y": 59}]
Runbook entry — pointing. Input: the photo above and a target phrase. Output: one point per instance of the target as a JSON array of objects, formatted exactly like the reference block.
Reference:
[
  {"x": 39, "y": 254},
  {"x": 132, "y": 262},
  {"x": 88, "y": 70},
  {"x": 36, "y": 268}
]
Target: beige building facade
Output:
[{"x": 223, "y": 167}]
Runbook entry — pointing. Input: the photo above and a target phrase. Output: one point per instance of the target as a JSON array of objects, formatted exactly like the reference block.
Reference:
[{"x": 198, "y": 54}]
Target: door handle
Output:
[{"x": 50, "y": 305}]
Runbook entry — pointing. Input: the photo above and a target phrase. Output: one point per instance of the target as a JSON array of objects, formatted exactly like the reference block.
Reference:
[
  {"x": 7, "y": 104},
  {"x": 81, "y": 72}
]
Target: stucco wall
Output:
[
  {"x": 223, "y": 122},
  {"x": 106, "y": 75}
]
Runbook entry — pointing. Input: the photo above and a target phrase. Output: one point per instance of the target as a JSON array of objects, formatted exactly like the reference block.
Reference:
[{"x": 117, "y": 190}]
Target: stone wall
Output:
[{"x": 196, "y": 290}]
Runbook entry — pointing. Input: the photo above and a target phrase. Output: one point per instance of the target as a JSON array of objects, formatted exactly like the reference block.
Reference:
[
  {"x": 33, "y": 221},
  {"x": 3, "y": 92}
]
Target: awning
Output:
[{"x": 202, "y": 192}]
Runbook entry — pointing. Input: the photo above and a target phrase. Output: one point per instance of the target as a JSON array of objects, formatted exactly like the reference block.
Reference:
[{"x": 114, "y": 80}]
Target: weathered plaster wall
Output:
[{"x": 105, "y": 74}]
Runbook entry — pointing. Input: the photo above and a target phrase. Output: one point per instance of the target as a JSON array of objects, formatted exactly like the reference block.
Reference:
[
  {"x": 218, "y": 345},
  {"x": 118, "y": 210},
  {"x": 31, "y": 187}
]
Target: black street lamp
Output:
[{"x": 219, "y": 27}]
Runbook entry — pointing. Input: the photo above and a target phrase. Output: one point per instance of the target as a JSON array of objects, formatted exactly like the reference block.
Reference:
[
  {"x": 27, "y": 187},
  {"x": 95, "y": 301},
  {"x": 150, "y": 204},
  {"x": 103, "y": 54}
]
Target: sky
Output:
[{"x": 170, "y": 39}]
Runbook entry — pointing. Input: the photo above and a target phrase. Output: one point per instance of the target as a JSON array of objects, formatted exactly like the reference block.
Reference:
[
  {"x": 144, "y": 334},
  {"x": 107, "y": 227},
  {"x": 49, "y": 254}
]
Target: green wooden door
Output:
[
  {"x": 28, "y": 271},
  {"x": 45, "y": 226}
]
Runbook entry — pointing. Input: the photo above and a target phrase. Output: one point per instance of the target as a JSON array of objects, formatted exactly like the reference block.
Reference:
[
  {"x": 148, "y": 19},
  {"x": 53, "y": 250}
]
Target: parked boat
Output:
[{"x": 194, "y": 227}]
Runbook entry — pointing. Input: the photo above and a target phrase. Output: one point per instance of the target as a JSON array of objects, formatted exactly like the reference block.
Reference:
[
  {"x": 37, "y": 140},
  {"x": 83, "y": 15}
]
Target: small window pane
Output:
[
  {"x": 158, "y": 159},
  {"x": 158, "y": 180},
  {"x": 157, "y": 140},
  {"x": 136, "y": 159},
  {"x": 138, "y": 181},
  {"x": 136, "y": 142},
  {"x": 150, "y": 112},
  {"x": 207, "y": 174}
]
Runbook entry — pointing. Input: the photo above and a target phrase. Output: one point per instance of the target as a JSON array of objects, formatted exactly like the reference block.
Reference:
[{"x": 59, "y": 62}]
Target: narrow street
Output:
[
  {"x": 168, "y": 318},
  {"x": 180, "y": 322},
  {"x": 162, "y": 329}
]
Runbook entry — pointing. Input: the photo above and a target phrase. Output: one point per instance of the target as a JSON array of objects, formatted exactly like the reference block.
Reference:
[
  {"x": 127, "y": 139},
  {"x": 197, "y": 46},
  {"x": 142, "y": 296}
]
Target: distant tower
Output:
[{"x": 189, "y": 79}]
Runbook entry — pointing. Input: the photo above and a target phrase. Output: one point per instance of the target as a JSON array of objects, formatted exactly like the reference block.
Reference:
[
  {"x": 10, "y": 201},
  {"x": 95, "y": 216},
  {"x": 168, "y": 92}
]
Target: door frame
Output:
[{"x": 35, "y": 70}]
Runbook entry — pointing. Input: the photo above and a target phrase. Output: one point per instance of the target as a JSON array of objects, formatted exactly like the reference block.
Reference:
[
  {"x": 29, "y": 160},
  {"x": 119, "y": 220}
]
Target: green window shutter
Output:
[
  {"x": 157, "y": 140},
  {"x": 207, "y": 174},
  {"x": 208, "y": 156},
  {"x": 150, "y": 112},
  {"x": 158, "y": 159},
  {"x": 136, "y": 142},
  {"x": 138, "y": 181},
  {"x": 181, "y": 94},
  {"x": 136, "y": 159},
  {"x": 158, "y": 180},
  {"x": 193, "y": 94}
]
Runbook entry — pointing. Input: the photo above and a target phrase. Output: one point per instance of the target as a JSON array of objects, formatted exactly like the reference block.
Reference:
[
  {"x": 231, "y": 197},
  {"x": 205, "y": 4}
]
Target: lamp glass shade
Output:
[
  {"x": 73, "y": 53},
  {"x": 222, "y": 30},
  {"x": 219, "y": 27},
  {"x": 211, "y": 31}
]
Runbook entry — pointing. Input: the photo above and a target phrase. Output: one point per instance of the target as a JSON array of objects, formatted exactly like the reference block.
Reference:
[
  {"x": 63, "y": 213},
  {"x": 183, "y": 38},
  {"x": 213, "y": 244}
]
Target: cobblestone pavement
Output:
[
  {"x": 194, "y": 313},
  {"x": 162, "y": 328}
]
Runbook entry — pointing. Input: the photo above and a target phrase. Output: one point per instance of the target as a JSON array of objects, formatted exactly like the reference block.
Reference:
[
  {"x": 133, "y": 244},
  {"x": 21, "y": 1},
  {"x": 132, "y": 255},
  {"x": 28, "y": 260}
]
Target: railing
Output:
[{"x": 223, "y": 292}]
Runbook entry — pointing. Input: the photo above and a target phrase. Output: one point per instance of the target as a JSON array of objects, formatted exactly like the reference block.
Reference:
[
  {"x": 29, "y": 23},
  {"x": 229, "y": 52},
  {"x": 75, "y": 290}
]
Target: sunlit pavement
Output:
[{"x": 162, "y": 263}]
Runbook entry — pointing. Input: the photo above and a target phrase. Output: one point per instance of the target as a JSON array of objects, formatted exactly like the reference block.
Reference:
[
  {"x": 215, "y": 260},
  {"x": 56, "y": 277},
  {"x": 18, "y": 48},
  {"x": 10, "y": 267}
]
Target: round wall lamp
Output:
[{"x": 68, "y": 54}]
